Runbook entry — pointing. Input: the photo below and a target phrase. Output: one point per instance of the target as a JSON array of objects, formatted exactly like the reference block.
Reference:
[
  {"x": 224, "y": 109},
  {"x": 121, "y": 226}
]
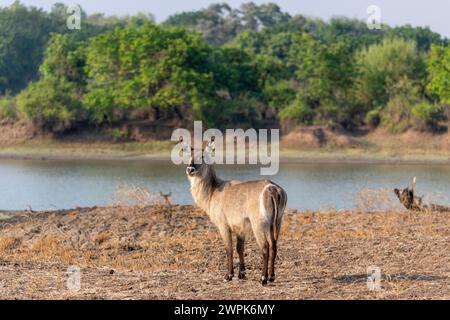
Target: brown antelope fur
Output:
[{"x": 235, "y": 207}]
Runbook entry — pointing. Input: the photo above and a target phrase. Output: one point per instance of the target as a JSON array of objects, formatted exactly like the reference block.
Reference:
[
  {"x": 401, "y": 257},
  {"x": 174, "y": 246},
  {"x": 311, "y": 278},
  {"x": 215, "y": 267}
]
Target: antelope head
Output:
[{"x": 200, "y": 161}]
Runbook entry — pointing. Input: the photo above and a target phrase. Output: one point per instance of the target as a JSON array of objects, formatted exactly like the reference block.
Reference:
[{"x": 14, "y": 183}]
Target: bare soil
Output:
[
  {"x": 174, "y": 252},
  {"x": 13, "y": 133},
  {"x": 313, "y": 137}
]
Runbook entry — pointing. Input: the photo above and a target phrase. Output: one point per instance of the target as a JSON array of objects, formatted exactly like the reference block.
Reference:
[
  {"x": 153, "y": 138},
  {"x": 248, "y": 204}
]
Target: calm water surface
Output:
[{"x": 68, "y": 184}]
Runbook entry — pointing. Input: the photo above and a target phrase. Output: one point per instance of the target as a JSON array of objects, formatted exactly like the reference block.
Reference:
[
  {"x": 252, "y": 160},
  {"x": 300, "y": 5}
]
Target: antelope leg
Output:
[{"x": 240, "y": 249}]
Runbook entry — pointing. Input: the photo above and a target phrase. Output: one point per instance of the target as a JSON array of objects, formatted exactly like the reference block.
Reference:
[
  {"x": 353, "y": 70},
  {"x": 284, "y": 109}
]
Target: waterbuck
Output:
[{"x": 235, "y": 207}]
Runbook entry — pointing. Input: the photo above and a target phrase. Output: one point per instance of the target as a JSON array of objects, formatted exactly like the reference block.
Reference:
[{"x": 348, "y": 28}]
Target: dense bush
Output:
[
  {"x": 427, "y": 115},
  {"x": 406, "y": 109},
  {"x": 382, "y": 66},
  {"x": 299, "y": 111},
  {"x": 23, "y": 37},
  {"x": 373, "y": 117},
  {"x": 150, "y": 68},
  {"x": 250, "y": 66},
  {"x": 438, "y": 65},
  {"x": 8, "y": 110},
  {"x": 24, "y": 34},
  {"x": 51, "y": 104}
]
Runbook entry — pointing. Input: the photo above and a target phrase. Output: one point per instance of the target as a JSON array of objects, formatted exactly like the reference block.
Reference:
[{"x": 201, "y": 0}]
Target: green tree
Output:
[
  {"x": 148, "y": 68},
  {"x": 307, "y": 59},
  {"x": 24, "y": 33},
  {"x": 51, "y": 104},
  {"x": 187, "y": 20},
  {"x": 380, "y": 66},
  {"x": 408, "y": 109},
  {"x": 235, "y": 72},
  {"x": 438, "y": 66},
  {"x": 351, "y": 31},
  {"x": 8, "y": 109},
  {"x": 64, "y": 59},
  {"x": 266, "y": 15},
  {"x": 218, "y": 24},
  {"x": 325, "y": 75},
  {"x": 423, "y": 36}
]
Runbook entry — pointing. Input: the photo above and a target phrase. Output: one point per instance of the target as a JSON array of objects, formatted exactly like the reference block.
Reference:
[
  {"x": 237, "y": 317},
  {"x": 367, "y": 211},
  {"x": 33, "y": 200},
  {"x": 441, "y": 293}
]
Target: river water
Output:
[{"x": 49, "y": 185}]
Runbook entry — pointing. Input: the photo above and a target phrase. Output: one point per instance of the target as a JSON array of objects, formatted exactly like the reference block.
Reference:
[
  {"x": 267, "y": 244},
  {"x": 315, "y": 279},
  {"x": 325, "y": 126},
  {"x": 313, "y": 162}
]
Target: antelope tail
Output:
[{"x": 275, "y": 202}]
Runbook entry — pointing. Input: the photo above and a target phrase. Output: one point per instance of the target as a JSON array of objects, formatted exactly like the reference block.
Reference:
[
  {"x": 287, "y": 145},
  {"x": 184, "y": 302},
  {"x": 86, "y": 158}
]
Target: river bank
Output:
[
  {"x": 160, "y": 151},
  {"x": 304, "y": 144},
  {"x": 174, "y": 252}
]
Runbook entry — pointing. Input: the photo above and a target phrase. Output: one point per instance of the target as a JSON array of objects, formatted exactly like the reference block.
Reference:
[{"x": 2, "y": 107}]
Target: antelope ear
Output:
[
  {"x": 185, "y": 147},
  {"x": 211, "y": 147}
]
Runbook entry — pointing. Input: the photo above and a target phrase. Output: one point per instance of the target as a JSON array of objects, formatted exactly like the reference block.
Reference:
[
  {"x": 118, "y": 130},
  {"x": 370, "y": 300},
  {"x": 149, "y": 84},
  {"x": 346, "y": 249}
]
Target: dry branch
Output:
[{"x": 411, "y": 201}]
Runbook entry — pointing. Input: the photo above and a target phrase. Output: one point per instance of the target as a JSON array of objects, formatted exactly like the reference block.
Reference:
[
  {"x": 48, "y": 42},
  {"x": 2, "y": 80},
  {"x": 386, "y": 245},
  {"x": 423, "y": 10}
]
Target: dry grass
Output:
[
  {"x": 368, "y": 200},
  {"x": 129, "y": 195},
  {"x": 8, "y": 243},
  {"x": 173, "y": 252}
]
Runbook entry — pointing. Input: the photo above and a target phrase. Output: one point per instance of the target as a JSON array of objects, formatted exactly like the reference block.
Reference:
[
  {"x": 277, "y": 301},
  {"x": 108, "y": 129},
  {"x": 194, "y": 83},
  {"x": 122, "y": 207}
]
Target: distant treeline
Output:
[{"x": 251, "y": 66}]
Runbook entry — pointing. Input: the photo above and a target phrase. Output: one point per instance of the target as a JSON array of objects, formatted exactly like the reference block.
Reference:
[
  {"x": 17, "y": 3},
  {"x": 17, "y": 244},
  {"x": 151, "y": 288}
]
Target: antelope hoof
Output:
[
  {"x": 228, "y": 277},
  {"x": 272, "y": 278},
  {"x": 263, "y": 281},
  {"x": 241, "y": 274}
]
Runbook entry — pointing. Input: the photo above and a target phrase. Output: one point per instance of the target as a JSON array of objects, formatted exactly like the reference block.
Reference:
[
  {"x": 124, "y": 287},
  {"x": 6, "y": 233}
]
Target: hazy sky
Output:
[{"x": 432, "y": 13}]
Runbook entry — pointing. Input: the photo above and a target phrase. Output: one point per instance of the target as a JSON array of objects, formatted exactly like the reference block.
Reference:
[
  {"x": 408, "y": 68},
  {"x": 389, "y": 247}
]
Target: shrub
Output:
[
  {"x": 299, "y": 111},
  {"x": 373, "y": 117},
  {"x": 439, "y": 73},
  {"x": 382, "y": 66},
  {"x": 427, "y": 115},
  {"x": 243, "y": 111},
  {"x": 280, "y": 94},
  {"x": 147, "y": 68},
  {"x": 51, "y": 104},
  {"x": 397, "y": 116},
  {"x": 8, "y": 109},
  {"x": 402, "y": 114}
]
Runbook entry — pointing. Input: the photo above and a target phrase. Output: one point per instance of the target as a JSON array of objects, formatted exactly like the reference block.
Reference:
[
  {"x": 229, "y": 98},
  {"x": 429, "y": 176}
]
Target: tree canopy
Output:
[{"x": 250, "y": 66}]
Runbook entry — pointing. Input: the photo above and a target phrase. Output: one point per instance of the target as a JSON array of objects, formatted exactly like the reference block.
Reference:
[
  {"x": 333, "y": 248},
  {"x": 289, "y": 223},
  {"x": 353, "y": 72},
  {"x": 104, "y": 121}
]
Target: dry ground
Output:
[{"x": 161, "y": 252}]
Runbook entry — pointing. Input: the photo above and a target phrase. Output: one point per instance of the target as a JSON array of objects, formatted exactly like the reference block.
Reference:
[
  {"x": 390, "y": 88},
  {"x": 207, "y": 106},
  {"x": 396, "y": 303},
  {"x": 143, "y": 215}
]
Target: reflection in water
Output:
[{"x": 69, "y": 184}]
